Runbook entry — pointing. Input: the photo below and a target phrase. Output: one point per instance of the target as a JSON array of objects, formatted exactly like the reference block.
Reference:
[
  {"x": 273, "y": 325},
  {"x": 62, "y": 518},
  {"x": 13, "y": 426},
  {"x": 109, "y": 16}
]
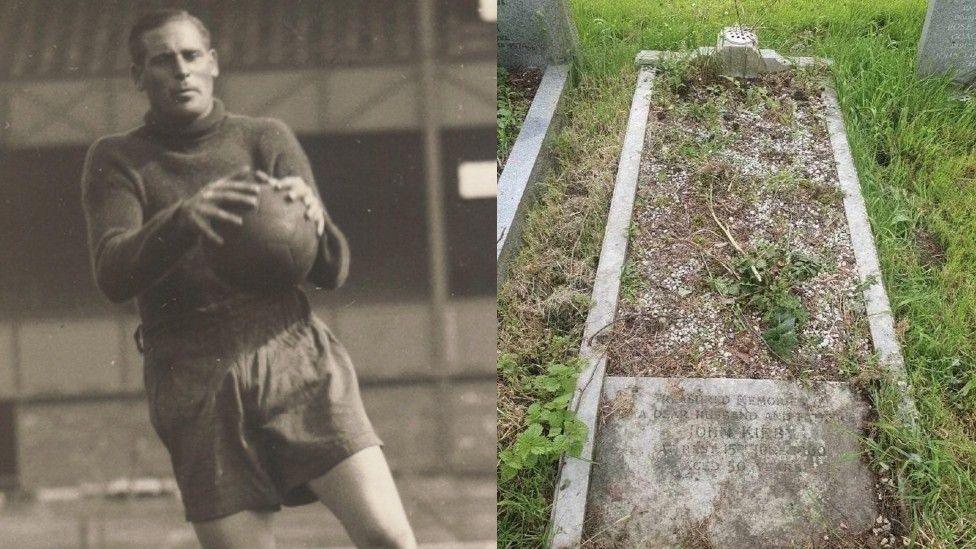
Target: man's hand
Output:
[
  {"x": 298, "y": 189},
  {"x": 210, "y": 204}
]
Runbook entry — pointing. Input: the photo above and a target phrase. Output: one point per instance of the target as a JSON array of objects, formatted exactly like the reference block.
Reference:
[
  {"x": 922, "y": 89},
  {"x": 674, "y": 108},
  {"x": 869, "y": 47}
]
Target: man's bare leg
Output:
[
  {"x": 240, "y": 530},
  {"x": 361, "y": 493}
]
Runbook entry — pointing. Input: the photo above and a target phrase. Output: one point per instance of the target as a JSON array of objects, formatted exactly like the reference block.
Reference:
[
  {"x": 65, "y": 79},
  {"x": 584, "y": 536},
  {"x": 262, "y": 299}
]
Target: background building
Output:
[{"x": 392, "y": 101}]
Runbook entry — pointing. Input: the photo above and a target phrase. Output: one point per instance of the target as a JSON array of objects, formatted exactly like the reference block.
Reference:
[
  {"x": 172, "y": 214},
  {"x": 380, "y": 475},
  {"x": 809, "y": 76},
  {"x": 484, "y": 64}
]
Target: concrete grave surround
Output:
[
  {"x": 769, "y": 60},
  {"x": 534, "y": 33},
  {"x": 948, "y": 43},
  {"x": 746, "y": 462},
  {"x": 573, "y": 487}
]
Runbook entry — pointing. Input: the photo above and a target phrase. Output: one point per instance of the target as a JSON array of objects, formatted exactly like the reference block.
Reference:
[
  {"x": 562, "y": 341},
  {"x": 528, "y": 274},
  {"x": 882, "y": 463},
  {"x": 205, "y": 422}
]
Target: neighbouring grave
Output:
[
  {"x": 948, "y": 43},
  {"x": 527, "y": 164},
  {"x": 750, "y": 300},
  {"x": 534, "y": 33}
]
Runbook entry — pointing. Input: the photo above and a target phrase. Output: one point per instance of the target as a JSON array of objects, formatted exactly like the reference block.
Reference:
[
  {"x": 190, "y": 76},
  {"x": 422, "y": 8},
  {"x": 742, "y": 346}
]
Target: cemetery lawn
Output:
[{"x": 913, "y": 146}]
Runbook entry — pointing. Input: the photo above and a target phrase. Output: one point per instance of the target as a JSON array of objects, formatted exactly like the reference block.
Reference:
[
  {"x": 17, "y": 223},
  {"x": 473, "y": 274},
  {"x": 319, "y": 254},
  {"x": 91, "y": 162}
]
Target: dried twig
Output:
[
  {"x": 728, "y": 234},
  {"x": 702, "y": 251}
]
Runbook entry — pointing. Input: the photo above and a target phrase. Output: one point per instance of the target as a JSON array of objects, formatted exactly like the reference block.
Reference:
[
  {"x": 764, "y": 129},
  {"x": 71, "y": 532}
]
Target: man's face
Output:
[{"x": 178, "y": 72}]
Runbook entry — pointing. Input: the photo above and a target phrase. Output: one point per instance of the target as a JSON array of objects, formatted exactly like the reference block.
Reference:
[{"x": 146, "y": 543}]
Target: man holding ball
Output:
[{"x": 252, "y": 395}]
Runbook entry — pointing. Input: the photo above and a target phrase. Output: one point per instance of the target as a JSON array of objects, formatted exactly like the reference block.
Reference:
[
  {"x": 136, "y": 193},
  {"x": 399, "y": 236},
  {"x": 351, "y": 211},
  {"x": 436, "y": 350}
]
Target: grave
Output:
[
  {"x": 679, "y": 454},
  {"x": 948, "y": 43},
  {"x": 532, "y": 34}
]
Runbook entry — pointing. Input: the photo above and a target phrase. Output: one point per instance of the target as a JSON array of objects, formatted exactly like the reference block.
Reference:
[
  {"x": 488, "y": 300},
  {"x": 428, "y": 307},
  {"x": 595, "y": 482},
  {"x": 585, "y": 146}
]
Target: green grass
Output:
[{"x": 914, "y": 150}]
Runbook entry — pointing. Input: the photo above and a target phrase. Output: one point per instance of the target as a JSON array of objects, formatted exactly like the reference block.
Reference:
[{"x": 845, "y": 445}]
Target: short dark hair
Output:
[{"x": 155, "y": 19}]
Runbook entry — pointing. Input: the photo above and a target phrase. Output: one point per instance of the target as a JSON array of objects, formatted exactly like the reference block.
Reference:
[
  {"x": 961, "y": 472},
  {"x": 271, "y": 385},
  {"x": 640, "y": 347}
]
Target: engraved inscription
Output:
[
  {"x": 711, "y": 435},
  {"x": 957, "y": 45},
  {"x": 761, "y": 461},
  {"x": 949, "y": 42}
]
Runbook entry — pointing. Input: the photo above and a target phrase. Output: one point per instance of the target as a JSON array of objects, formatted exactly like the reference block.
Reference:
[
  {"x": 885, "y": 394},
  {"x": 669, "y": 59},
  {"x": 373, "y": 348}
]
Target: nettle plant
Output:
[
  {"x": 551, "y": 428},
  {"x": 764, "y": 280}
]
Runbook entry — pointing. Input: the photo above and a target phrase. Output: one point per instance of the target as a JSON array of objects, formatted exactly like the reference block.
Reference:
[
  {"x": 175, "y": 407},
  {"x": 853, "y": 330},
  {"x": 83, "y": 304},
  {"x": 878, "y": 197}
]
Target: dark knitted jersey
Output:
[{"x": 133, "y": 187}]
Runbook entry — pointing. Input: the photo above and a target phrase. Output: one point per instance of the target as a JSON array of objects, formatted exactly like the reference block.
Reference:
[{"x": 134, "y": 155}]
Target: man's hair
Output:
[{"x": 155, "y": 19}]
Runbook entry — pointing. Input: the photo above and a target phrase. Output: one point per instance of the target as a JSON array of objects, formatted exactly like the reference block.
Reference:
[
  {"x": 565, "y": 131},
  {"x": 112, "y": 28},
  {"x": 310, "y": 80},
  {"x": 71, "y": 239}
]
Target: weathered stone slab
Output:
[
  {"x": 736, "y": 462},
  {"x": 535, "y": 33},
  {"x": 948, "y": 43}
]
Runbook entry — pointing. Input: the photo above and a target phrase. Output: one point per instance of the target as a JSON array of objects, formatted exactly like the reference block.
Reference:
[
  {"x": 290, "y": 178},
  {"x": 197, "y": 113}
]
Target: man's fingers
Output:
[
  {"x": 293, "y": 184},
  {"x": 228, "y": 197},
  {"x": 207, "y": 231},
  {"x": 319, "y": 221},
  {"x": 214, "y": 212},
  {"x": 312, "y": 212},
  {"x": 300, "y": 192},
  {"x": 317, "y": 215},
  {"x": 284, "y": 183},
  {"x": 289, "y": 184},
  {"x": 265, "y": 178},
  {"x": 241, "y": 186}
]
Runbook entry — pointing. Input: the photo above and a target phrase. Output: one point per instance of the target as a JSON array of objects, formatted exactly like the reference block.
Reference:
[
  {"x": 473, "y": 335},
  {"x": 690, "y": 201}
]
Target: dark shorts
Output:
[{"x": 252, "y": 403}]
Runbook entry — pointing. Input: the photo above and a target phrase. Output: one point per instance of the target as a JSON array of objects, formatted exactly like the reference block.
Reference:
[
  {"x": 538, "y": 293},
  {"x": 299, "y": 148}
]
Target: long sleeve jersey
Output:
[{"x": 134, "y": 185}]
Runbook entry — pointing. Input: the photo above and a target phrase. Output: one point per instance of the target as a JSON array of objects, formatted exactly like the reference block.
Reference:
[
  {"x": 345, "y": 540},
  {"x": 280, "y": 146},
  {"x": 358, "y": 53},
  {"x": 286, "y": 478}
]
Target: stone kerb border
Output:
[
  {"x": 652, "y": 58},
  {"x": 569, "y": 503},
  {"x": 527, "y": 164},
  {"x": 880, "y": 319},
  {"x": 572, "y": 485}
]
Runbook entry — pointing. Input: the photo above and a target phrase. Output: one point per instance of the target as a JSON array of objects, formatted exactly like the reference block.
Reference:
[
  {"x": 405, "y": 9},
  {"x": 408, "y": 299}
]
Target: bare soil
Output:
[
  {"x": 522, "y": 85},
  {"x": 526, "y": 81}
]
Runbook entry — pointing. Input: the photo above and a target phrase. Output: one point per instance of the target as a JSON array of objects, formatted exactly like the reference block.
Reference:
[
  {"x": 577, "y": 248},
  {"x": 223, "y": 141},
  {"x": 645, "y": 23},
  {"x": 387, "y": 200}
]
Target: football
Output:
[{"x": 274, "y": 248}]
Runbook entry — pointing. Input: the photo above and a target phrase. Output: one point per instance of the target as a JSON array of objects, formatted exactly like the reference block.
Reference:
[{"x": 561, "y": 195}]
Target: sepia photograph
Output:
[{"x": 246, "y": 292}]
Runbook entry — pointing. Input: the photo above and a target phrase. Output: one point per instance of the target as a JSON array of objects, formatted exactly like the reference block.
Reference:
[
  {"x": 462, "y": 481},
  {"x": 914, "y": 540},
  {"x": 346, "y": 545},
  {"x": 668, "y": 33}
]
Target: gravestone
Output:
[
  {"x": 948, "y": 43},
  {"x": 534, "y": 33},
  {"x": 731, "y": 462}
]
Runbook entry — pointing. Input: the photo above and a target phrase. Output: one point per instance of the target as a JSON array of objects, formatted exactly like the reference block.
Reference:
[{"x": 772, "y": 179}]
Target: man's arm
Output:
[
  {"x": 128, "y": 255},
  {"x": 331, "y": 266}
]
